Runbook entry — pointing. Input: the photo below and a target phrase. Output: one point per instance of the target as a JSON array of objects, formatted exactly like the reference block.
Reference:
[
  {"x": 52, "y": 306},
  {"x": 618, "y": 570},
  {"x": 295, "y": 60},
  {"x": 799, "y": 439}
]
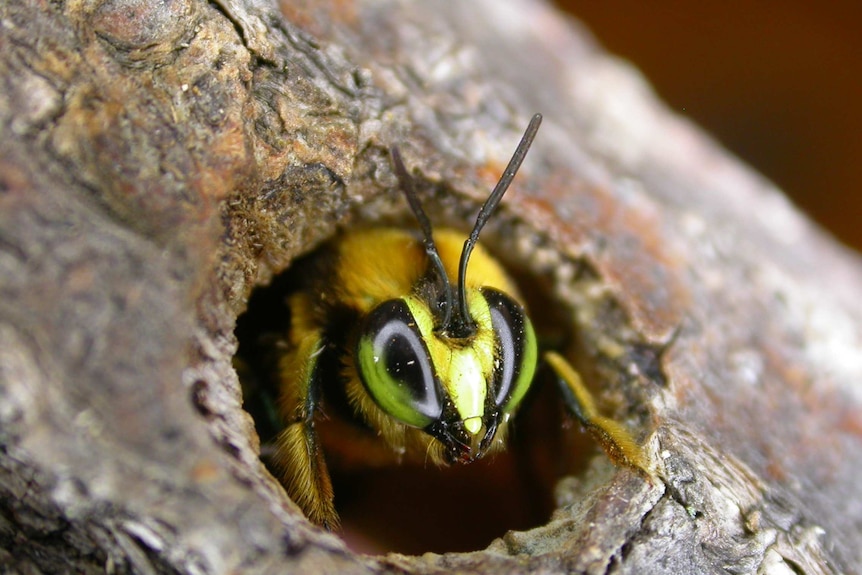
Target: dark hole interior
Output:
[{"x": 414, "y": 509}]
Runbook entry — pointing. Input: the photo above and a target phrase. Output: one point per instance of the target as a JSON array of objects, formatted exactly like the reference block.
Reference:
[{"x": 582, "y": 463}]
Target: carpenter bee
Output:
[{"x": 426, "y": 358}]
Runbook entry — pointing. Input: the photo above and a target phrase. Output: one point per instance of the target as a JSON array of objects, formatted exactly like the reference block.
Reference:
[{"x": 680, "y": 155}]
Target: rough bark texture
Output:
[{"x": 161, "y": 159}]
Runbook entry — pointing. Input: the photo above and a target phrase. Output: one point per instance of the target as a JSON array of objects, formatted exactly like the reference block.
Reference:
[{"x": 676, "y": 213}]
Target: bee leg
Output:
[
  {"x": 299, "y": 457},
  {"x": 615, "y": 439}
]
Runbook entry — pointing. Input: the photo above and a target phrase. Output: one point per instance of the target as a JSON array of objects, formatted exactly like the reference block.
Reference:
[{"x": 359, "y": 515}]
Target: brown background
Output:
[{"x": 778, "y": 84}]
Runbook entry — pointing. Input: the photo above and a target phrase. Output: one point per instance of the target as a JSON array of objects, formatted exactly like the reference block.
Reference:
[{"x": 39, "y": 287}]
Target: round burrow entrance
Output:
[{"x": 417, "y": 507}]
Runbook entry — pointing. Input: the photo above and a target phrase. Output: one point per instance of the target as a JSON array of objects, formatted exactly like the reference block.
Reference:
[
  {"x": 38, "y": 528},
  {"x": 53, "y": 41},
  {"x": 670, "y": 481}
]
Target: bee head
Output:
[
  {"x": 457, "y": 391},
  {"x": 454, "y": 363}
]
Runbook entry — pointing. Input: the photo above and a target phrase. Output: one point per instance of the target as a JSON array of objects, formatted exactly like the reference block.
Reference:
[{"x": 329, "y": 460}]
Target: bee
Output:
[{"x": 427, "y": 351}]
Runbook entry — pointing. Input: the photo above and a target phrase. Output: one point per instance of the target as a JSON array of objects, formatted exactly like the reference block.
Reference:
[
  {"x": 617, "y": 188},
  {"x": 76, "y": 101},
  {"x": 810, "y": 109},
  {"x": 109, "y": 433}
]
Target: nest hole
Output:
[{"x": 413, "y": 509}]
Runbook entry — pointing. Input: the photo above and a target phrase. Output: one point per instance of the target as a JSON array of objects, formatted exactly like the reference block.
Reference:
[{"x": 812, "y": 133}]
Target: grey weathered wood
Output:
[{"x": 160, "y": 160}]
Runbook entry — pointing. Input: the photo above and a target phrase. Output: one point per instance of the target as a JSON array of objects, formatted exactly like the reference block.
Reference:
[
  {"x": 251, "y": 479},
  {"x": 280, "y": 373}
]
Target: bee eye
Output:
[
  {"x": 395, "y": 367},
  {"x": 516, "y": 350}
]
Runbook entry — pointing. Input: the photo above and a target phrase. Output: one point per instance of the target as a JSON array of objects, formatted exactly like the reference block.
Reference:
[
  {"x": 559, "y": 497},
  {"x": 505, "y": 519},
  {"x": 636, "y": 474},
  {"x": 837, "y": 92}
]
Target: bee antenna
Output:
[
  {"x": 406, "y": 182},
  {"x": 466, "y": 326}
]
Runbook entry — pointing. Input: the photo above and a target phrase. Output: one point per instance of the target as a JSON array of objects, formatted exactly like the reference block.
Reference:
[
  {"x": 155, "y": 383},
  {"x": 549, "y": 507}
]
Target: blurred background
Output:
[{"x": 778, "y": 84}]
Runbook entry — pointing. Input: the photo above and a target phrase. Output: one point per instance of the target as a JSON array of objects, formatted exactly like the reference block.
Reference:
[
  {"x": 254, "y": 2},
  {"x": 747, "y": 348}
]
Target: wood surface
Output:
[{"x": 160, "y": 160}]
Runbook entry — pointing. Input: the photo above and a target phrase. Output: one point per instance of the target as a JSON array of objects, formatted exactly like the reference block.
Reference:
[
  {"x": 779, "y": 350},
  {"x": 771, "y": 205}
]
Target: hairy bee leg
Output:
[
  {"x": 305, "y": 474},
  {"x": 299, "y": 458},
  {"x": 615, "y": 439}
]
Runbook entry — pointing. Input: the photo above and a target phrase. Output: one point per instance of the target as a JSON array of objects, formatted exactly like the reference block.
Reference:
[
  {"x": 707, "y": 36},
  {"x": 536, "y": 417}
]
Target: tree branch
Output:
[{"x": 161, "y": 160}]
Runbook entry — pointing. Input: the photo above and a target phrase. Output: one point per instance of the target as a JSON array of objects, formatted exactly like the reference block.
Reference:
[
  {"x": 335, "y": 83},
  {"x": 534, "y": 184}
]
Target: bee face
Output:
[{"x": 458, "y": 390}]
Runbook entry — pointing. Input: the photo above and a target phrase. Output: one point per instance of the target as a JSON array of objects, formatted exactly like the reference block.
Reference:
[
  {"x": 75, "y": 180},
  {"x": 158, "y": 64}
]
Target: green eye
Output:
[
  {"x": 395, "y": 367},
  {"x": 517, "y": 354}
]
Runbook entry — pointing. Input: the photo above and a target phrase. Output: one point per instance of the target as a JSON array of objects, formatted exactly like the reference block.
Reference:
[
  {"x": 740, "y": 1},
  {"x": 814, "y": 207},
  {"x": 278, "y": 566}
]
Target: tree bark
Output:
[{"x": 161, "y": 160}]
